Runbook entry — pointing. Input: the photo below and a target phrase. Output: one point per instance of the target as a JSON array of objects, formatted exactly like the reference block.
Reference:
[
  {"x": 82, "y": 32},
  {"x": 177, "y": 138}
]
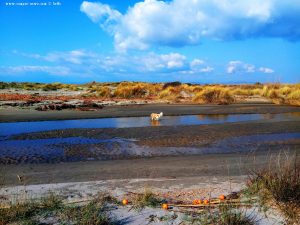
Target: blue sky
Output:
[{"x": 203, "y": 41}]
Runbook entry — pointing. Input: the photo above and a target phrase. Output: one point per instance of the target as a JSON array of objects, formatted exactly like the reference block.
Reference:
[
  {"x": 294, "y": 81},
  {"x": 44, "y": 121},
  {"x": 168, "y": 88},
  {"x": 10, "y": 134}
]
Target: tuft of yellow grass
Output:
[
  {"x": 294, "y": 97},
  {"x": 214, "y": 95}
]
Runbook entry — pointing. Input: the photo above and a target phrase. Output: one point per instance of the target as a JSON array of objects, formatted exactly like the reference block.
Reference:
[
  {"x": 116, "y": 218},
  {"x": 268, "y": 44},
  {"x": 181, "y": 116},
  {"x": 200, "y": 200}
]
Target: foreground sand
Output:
[
  {"x": 196, "y": 178},
  {"x": 174, "y": 190},
  {"x": 173, "y": 178}
]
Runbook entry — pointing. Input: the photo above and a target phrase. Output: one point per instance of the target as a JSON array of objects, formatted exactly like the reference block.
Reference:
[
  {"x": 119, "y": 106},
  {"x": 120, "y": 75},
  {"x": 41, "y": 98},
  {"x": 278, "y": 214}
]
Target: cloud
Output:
[
  {"x": 53, "y": 70},
  {"x": 196, "y": 62},
  {"x": 241, "y": 67},
  {"x": 155, "y": 62},
  {"x": 186, "y": 22},
  {"x": 102, "y": 13},
  {"x": 88, "y": 62},
  {"x": 234, "y": 66},
  {"x": 173, "y": 60},
  {"x": 266, "y": 70},
  {"x": 199, "y": 66},
  {"x": 207, "y": 69},
  {"x": 74, "y": 56}
]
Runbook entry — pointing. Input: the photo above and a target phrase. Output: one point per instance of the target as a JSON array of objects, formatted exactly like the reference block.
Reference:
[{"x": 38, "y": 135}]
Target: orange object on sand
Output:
[
  {"x": 125, "y": 201},
  {"x": 165, "y": 206},
  {"x": 222, "y": 197},
  {"x": 206, "y": 201},
  {"x": 197, "y": 202}
]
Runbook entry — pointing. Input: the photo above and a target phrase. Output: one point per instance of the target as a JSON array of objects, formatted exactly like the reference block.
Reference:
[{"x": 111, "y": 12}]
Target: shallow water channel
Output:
[
  {"x": 53, "y": 150},
  {"x": 124, "y": 122}
]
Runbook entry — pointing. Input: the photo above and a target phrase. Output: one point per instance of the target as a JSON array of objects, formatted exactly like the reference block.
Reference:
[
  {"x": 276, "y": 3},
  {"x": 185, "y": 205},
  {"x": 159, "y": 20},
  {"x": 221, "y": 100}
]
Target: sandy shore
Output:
[
  {"x": 12, "y": 114},
  {"x": 183, "y": 190}
]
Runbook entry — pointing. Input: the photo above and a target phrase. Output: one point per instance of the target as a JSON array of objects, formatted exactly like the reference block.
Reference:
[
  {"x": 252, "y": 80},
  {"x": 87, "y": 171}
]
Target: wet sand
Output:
[
  {"x": 168, "y": 167},
  {"x": 71, "y": 145},
  {"x": 13, "y": 114},
  {"x": 174, "y": 167},
  {"x": 174, "y": 136}
]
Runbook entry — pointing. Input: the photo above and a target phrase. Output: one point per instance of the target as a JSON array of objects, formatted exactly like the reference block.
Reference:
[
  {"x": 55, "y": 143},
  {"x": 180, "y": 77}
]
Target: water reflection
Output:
[
  {"x": 155, "y": 123},
  {"x": 56, "y": 150},
  {"x": 213, "y": 117},
  {"x": 269, "y": 116}
]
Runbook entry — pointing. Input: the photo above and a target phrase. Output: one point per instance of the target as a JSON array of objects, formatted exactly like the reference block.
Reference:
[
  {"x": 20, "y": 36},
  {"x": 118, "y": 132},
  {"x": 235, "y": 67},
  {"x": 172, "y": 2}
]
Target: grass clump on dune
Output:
[
  {"x": 137, "y": 90},
  {"x": 279, "y": 187},
  {"x": 27, "y": 212},
  {"x": 282, "y": 94},
  {"x": 214, "y": 95},
  {"x": 33, "y": 212},
  {"x": 95, "y": 212},
  {"x": 223, "y": 215},
  {"x": 52, "y": 87},
  {"x": 146, "y": 199},
  {"x": 128, "y": 90},
  {"x": 104, "y": 92},
  {"x": 243, "y": 92},
  {"x": 171, "y": 93},
  {"x": 293, "y": 98}
]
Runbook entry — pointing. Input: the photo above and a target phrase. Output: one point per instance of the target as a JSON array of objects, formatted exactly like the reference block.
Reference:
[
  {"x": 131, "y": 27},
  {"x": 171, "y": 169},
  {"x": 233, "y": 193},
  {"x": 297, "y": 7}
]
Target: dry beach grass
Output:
[{"x": 172, "y": 92}]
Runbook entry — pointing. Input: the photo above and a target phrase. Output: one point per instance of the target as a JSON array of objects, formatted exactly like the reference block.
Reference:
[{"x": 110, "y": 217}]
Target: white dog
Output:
[{"x": 156, "y": 116}]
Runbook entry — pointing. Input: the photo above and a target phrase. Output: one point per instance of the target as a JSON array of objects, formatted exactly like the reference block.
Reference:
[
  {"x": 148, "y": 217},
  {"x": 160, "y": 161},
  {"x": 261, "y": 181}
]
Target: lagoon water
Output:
[
  {"x": 14, "y": 128},
  {"x": 66, "y": 149}
]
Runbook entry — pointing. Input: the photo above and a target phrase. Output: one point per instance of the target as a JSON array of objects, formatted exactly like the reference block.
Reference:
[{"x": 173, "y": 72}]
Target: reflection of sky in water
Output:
[
  {"x": 44, "y": 147},
  {"x": 250, "y": 143},
  {"x": 26, "y": 127}
]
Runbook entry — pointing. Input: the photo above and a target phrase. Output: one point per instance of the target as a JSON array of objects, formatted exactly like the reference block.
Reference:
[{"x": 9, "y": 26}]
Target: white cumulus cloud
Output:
[
  {"x": 89, "y": 62},
  {"x": 102, "y": 13},
  {"x": 265, "y": 70},
  {"x": 207, "y": 69},
  {"x": 196, "y": 62},
  {"x": 241, "y": 67},
  {"x": 186, "y": 22},
  {"x": 235, "y": 66},
  {"x": 53, "y": 70}
]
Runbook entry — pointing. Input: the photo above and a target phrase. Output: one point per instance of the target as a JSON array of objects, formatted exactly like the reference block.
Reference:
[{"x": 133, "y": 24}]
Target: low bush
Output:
[
  {"x": 51, "y": 87},
  {"x": 93, "y": 213},
  {"x": 104, "y": 92},
  {"x": 130, "y": 91},
  {"x": 294, "y": 97},
  {"x": 172, "y": 84},
  {"x": 146, "y": 199},
  {"x": 224, "y": 215},
  {"x": 278, "y": 186},
  {"x": 214, "y": 95}
]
